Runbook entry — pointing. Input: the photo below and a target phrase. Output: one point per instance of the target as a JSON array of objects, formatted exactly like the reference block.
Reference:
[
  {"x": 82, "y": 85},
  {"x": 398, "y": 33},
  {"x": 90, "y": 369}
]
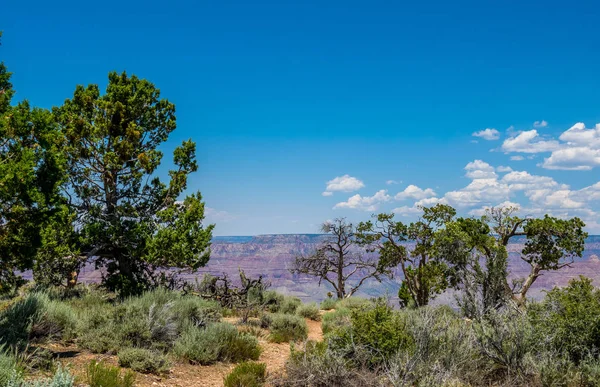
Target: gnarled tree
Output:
[
  {"x": 342, "y": 260},
  {"x": 423, "y": 268}
]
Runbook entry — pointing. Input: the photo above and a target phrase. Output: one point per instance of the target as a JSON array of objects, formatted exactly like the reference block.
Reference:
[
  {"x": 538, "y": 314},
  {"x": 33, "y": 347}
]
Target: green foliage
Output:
[
  {"x": 143, "y": 360},
  {"x": 61, "y": 378},
  {"x": 17, "y": 321},
  {"x": 287, "y": 327},
  {"x": 423, "y": 267},
  {"x": 339, "y": 318},
  {"x": 216, "y": 342},
  {"x": 568, "y": 320},
  {"x": 354, "y": 303},
  {"x": 379, "y": 329},
  {"x": 127, "y": 217},
  {"x": 31, "y": 172},
  {"x": 317, "y": 365},
  {"x": 100, "y": 375},
  {"x": 328, "y": 304},
  {"x": 289, "y": 305},
  {"x": 310, "y": 311},
  {"x": 8, "y": 366},
  {"x": 153, "y": 321},
  {"x": 57, "y": 320},
  {"x": 247, "y": 374}
]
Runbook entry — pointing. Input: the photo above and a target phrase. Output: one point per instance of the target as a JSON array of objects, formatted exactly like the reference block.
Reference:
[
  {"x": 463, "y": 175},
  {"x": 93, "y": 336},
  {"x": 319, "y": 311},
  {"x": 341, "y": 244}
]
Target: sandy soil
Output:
[{"x": 186, "y": 375}]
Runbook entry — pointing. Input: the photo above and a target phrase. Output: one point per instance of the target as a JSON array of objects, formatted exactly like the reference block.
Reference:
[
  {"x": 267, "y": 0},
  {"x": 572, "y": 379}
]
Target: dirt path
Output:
[{"x": 186, "y": 375}]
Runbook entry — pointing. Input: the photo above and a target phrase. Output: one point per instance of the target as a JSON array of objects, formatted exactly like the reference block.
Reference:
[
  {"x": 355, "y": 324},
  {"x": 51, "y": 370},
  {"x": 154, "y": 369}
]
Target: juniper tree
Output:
[
  {"x": 129, "y": 219},
  {"x": 31, "y": 171},
  {"x": 424, "y": 270}
]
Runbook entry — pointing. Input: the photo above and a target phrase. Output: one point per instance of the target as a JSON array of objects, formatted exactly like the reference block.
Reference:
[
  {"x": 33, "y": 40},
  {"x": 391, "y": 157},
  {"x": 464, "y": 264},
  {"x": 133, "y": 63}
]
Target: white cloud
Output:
[
  {"x": 344, "y": 183},
  {"x": 488, "y": 134},
  {"x": 365, "y": 203},
  {"x": 528, "y": 142},
  {"x": 390, "y": 182},
  {"x": 480, "y": 170},
  {"x": 414, "y": 192},
  {"x": 577, "y": 150},
  {"x": 517, "y": 158},
  {"x": 503, "y": 169},
  {"x": 481, "y": 211}
]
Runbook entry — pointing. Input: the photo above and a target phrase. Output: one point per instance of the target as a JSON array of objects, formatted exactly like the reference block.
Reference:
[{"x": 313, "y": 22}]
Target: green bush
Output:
[
  {"x": 287, "y": 327},
  {"x": 57, "y": 320},
  {"x": 310, "y": 311},
  {"x": 247, "y": 374},
  {"x": 318, "y": 366},
  {"x": 568, "y": 320},
  {"x": 337, "y": 319},
  {"x": 16, "y": 321},
  {"x": 97, "y": 330},
  {"x": 354, "y": 303},
  {"x": 101, "y": 375},
  {"x": 143, "y": 360},
  {"x": 8, "y": 367},
  {"x": 328, "y": 304},
  {"x": 61, "y": 378},
  {"x": 272, "y": 300},
  {"x": 216, "y": 342},
  {"x": 289, "y": 305},
  {"x": 378, "y": 328},
  {"x": 195, "y": 311}
]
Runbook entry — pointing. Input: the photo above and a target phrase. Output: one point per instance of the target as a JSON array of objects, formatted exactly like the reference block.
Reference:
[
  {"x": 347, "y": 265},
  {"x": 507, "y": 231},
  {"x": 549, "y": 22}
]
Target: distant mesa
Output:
[{"x": 594, "y": 259}]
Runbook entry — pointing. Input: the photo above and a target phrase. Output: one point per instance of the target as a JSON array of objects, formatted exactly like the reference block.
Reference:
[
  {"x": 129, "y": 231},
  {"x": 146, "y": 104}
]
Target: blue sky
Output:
[{"x": 282, "y": 98}]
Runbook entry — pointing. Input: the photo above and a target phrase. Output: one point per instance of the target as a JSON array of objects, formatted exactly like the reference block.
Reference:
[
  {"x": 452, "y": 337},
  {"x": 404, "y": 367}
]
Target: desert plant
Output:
[
  {"x": 17, "y": 320},
  {"x": 310, "y": 311},
  {"x": 568, "y": 320},
  {"x": 247, "y": 374},
  {"x": 57, "y": 320},
  {"x": 316, "y": 365},
  {"x": 61, "y": 378},
  {"x": 338, "y": 318},
  {"x": 289, "y": 305},
  {"x": 101, "y": 375},
  {"x": 218, "y": 341},
  {"x": 328, "y": 304},
  {"x": 287, "y": 327},
  {"x": 8, "y": 366},
  {"x": 143, "y": 360}
]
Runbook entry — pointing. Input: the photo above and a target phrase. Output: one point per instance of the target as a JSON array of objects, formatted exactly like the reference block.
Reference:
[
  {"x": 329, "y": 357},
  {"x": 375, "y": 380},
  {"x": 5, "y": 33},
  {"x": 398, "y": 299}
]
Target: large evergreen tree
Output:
[
  {"x": 130, "y": 221},
  {"x": 30, "y": 175}
]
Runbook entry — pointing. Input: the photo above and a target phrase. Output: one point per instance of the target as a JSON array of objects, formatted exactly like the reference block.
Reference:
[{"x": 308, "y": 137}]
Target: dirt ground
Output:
[{"x": 186, "y": 375}]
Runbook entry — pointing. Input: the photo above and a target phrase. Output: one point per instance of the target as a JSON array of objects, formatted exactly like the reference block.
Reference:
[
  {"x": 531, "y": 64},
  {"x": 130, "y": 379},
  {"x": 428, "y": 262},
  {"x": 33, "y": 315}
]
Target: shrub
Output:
[
  {"x": 289, "y": 305},
  {"x": 61, "y": 378},
  {"x": 143, "y": 360},
  {"x": 354, "y": 303},
  {"x": 265, "y": 320},
  {"x": 568, "y": 320},
  {"x": 195, "y": 311},
  {"x": 218, "y": 341},
  {"x": 337, "y": 319},
  {"x": 100, "y": 375},
  {"x": 379, "y": 329},
  {"x": 328, "y": 304},
  {"x": 97, "y": 330},
  {"x": 310, "y": 311},
  {"x": 247, "y": 374},
  {"x": 287, "y": 327},
  {"x": 272, "y": 300},
  {"x": 57, "y": 320},
  {"x": 17, "y": 320},
  {"x": 318, "y": 366},
  {"x": 8, "y": 367}
]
